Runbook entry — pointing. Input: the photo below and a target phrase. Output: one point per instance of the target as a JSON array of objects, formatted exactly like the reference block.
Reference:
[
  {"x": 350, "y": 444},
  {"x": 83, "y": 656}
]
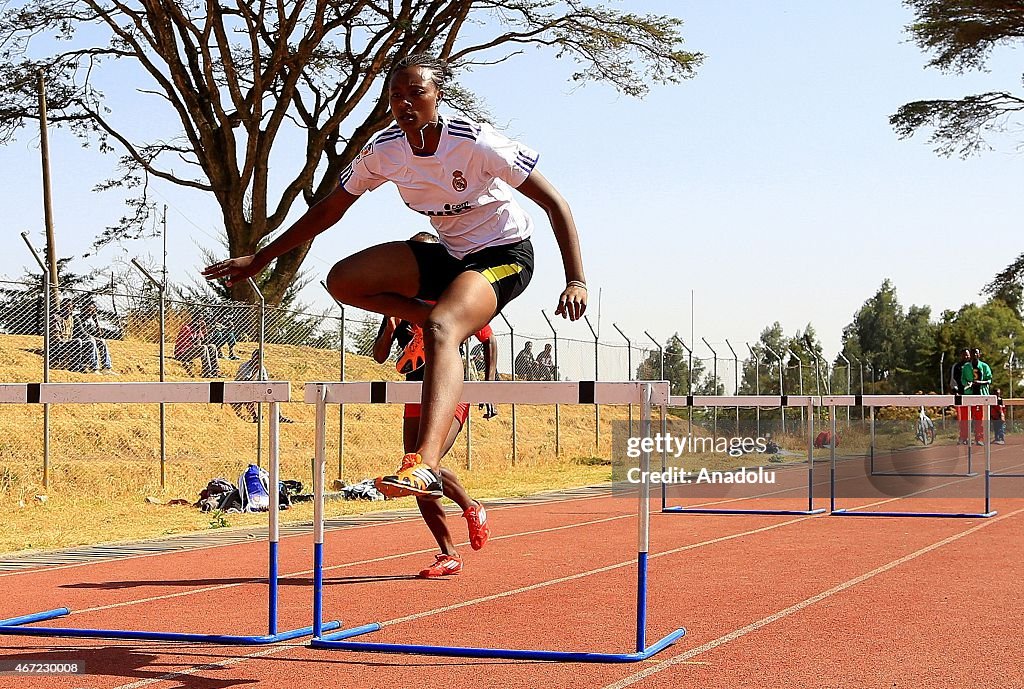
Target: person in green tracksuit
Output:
[{"x": 975, "y": 378}]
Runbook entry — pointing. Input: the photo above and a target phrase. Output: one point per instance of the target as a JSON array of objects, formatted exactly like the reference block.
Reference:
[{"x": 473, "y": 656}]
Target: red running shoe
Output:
[
  {"x": 476, "y": 519},
  {"x": 414, "y": 356},
  {"x": 444, "y": 566}
]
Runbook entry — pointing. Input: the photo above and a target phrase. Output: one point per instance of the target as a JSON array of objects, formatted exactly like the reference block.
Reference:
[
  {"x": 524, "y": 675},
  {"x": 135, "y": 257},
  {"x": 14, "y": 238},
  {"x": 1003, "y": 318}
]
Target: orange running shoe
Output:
[
  {"x": 414, "y": 356},
  {"x": 444, "y": 566},
  {"x": 385, "y": 489},
  {"x": 413, "y": 478},
  {"x": 476, "y": 519}
]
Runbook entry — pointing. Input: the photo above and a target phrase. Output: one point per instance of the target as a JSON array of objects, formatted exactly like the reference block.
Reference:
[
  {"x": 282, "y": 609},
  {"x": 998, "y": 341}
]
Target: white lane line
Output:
[
  {"x": 436, "y": 611},
  {"x": 754, "y": 626},
  {"x": 356, "y": 563}
]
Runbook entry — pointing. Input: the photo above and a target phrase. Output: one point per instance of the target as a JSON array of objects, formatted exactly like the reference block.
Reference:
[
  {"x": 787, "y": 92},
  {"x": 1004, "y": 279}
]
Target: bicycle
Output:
[{"x": 925, "y": 428}]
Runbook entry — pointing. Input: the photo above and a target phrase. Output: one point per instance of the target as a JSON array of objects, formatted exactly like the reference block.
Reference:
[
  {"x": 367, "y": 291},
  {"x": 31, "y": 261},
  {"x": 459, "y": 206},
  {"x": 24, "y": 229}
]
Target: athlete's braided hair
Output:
[{"x": 440, "y": 72}]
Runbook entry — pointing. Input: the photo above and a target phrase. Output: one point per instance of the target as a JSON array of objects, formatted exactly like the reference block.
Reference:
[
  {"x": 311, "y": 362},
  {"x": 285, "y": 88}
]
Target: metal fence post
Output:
[
  {"x": 714, "y": 381},
  {"x": 860, "y": 365},
  {"x": 163, "y": 407},
  {"x": 467, "y": 366},
  {"x": 341, "y": 365},
  {"x": 512, "y": 353},
  {"x": 597, "y": 407},
  {"x": 629, "y": 367},
  {"x": 942, "y": 382},
  {"x": 661, "y": 353},
  {"x": 689, "y": 384},
  {"x": 46, "y": 357},
  {"x": 757, "y": 386},
  {"x": 341, "y": 407},
  {"x": 263, "y": 339},
  {"x": 849, "y": 381},
  {"x": 557, "y": 376},
  {"x": 800, "y": 376},
  {"x": 782, "y": 385},
  {"x": 736, "y": 382}
]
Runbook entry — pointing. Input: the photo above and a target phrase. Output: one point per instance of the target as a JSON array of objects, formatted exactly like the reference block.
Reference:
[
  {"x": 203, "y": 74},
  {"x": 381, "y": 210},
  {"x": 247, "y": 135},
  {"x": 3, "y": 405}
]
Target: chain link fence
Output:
[{"x": 133, "y": 332}]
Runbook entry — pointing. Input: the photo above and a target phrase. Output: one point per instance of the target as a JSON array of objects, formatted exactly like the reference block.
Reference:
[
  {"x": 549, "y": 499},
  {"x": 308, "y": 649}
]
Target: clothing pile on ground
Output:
[
  {"x": 251, "y": 495},
  {"x": 364, "y": 490}
]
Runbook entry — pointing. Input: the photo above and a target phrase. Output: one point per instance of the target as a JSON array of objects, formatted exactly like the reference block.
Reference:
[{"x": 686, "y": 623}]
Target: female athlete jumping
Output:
[{"x": 460, "y": 174}]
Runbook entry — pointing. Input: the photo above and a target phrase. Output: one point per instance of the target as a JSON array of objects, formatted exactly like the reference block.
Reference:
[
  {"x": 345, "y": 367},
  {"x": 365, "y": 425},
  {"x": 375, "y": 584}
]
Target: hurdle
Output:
[
  {"x": 216, "y": 392},
  {"x": 501, "y": 392},
  {"x": 872, "y": 401},
  {"x": 781, "y": 401},
  {"x": 970, "y": 473},
  {"x": 1009, "y": 402}
]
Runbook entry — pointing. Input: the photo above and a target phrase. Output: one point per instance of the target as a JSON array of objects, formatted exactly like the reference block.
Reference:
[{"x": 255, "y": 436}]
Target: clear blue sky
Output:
[{"x": 771, "y": 184}]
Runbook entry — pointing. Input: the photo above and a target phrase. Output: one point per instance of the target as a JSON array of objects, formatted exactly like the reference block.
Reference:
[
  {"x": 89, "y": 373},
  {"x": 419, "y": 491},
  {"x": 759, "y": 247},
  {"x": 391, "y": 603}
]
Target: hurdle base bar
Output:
[
  {"x": 970, "y": 474},
  {"x": 334, "y": 641},
  {"x": 15, "y": 627},
  {"x": 1006, "y": 475},
  {"x": 676, "y": 509},
  {"x": 941, "y": 515}
]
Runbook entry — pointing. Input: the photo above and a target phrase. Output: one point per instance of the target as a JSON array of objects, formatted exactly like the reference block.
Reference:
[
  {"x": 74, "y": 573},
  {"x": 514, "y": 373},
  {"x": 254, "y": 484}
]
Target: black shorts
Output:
[{"x": 508, "y": 268}]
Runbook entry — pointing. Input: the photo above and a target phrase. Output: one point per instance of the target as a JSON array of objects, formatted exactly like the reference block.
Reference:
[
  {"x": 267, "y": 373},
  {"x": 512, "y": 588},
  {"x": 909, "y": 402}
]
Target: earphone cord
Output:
[{"x": 423, "y": 139}]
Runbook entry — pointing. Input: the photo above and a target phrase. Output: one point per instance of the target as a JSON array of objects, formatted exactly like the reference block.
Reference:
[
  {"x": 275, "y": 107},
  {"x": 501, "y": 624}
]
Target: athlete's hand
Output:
[
  {"x": 233, "y": 270},
  {"x": 572, "y": 303}
]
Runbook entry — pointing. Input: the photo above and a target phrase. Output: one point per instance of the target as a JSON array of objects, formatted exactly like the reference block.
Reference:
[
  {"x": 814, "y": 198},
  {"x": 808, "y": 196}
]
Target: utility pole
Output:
[{"x": 44, "y": 150}]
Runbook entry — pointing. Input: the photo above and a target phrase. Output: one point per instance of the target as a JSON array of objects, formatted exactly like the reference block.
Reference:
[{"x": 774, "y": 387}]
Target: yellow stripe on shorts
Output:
[{"x": 500, "y": 272}]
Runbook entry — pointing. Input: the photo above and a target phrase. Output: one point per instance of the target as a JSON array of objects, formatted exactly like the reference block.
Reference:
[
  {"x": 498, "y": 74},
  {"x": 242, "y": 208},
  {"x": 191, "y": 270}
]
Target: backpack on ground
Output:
[{"x": 253, "y": 485}]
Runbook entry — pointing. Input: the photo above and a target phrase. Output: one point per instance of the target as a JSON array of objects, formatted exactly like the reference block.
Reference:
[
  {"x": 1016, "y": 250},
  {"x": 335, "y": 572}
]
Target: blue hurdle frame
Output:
[
  {"x": 585, "y": 392},
  {"x": 781, "y": 401},
  {"x": 272, "y": 392},
  {"x": 970, "y": 473},
  {"x": 910, "y": 401}
]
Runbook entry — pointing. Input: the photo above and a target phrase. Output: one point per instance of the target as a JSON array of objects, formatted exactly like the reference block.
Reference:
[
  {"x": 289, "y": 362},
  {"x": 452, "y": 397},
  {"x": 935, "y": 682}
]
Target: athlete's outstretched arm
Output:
[
  {"x": 314, "y": 221},
  {"x": 573, "y": 301}
]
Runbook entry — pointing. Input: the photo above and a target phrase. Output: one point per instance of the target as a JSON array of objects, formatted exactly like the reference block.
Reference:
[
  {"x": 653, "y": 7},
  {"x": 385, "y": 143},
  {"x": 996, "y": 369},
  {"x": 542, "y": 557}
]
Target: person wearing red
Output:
[
  {"x": 191, "y": 344},
  {"x": 398, "y": 332},
  {"x": 963, "y": 412},
  {"x": 999, "y": 418}
]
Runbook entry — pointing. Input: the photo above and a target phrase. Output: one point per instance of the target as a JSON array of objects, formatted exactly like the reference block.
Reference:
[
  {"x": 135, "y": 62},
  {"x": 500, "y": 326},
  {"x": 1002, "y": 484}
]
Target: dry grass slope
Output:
[{"x": 105, "y": 459}]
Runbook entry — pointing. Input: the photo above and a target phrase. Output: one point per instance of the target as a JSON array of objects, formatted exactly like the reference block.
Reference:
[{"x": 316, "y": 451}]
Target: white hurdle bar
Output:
[
  {"x": 872, "y": 401},
  {"x": 215, "y": 392},
  {"x": 498, "y": 392},
  {"x": 781, "y": 401}
]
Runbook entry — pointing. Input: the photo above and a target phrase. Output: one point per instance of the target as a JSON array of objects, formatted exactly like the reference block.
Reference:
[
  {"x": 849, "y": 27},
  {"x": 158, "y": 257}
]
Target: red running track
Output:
[{"x": 768, "y": 601}]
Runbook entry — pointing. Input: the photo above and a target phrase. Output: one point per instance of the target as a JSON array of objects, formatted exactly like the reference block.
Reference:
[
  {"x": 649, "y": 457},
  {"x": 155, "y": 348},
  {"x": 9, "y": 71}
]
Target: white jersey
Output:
[{"x": 465, "y": 187}]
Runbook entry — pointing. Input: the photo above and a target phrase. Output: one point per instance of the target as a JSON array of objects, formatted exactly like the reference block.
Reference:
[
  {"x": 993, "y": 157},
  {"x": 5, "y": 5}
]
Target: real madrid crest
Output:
[{"x": 458, "y": 181}]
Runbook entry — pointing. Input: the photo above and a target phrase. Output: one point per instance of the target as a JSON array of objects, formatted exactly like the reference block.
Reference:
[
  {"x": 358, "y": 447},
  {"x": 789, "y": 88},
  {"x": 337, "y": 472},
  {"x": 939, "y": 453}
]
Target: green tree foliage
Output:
[
  {"x": 876, "y": 334},
  {"x": 918, "y": 371},
  {"x": 767, "y": 368},
  {"x": 1008, "y": 286},
  {"x": 992, "y": 327},
  {"x": 960, "y": 35},
  {"x": 677, "y": 370},
  {"x": 241, "y": 81},
  {"x": 910, "y": 352},
  {"x": 807, "y": 348},
  {"x": 365, "y": 335}
]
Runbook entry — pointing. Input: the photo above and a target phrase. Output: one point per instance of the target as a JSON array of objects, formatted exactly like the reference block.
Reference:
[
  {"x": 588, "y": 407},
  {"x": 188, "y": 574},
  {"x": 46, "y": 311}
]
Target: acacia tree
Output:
[
  {"x": 241, "y": 79},
  {"x": 960, "y": 35}
]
